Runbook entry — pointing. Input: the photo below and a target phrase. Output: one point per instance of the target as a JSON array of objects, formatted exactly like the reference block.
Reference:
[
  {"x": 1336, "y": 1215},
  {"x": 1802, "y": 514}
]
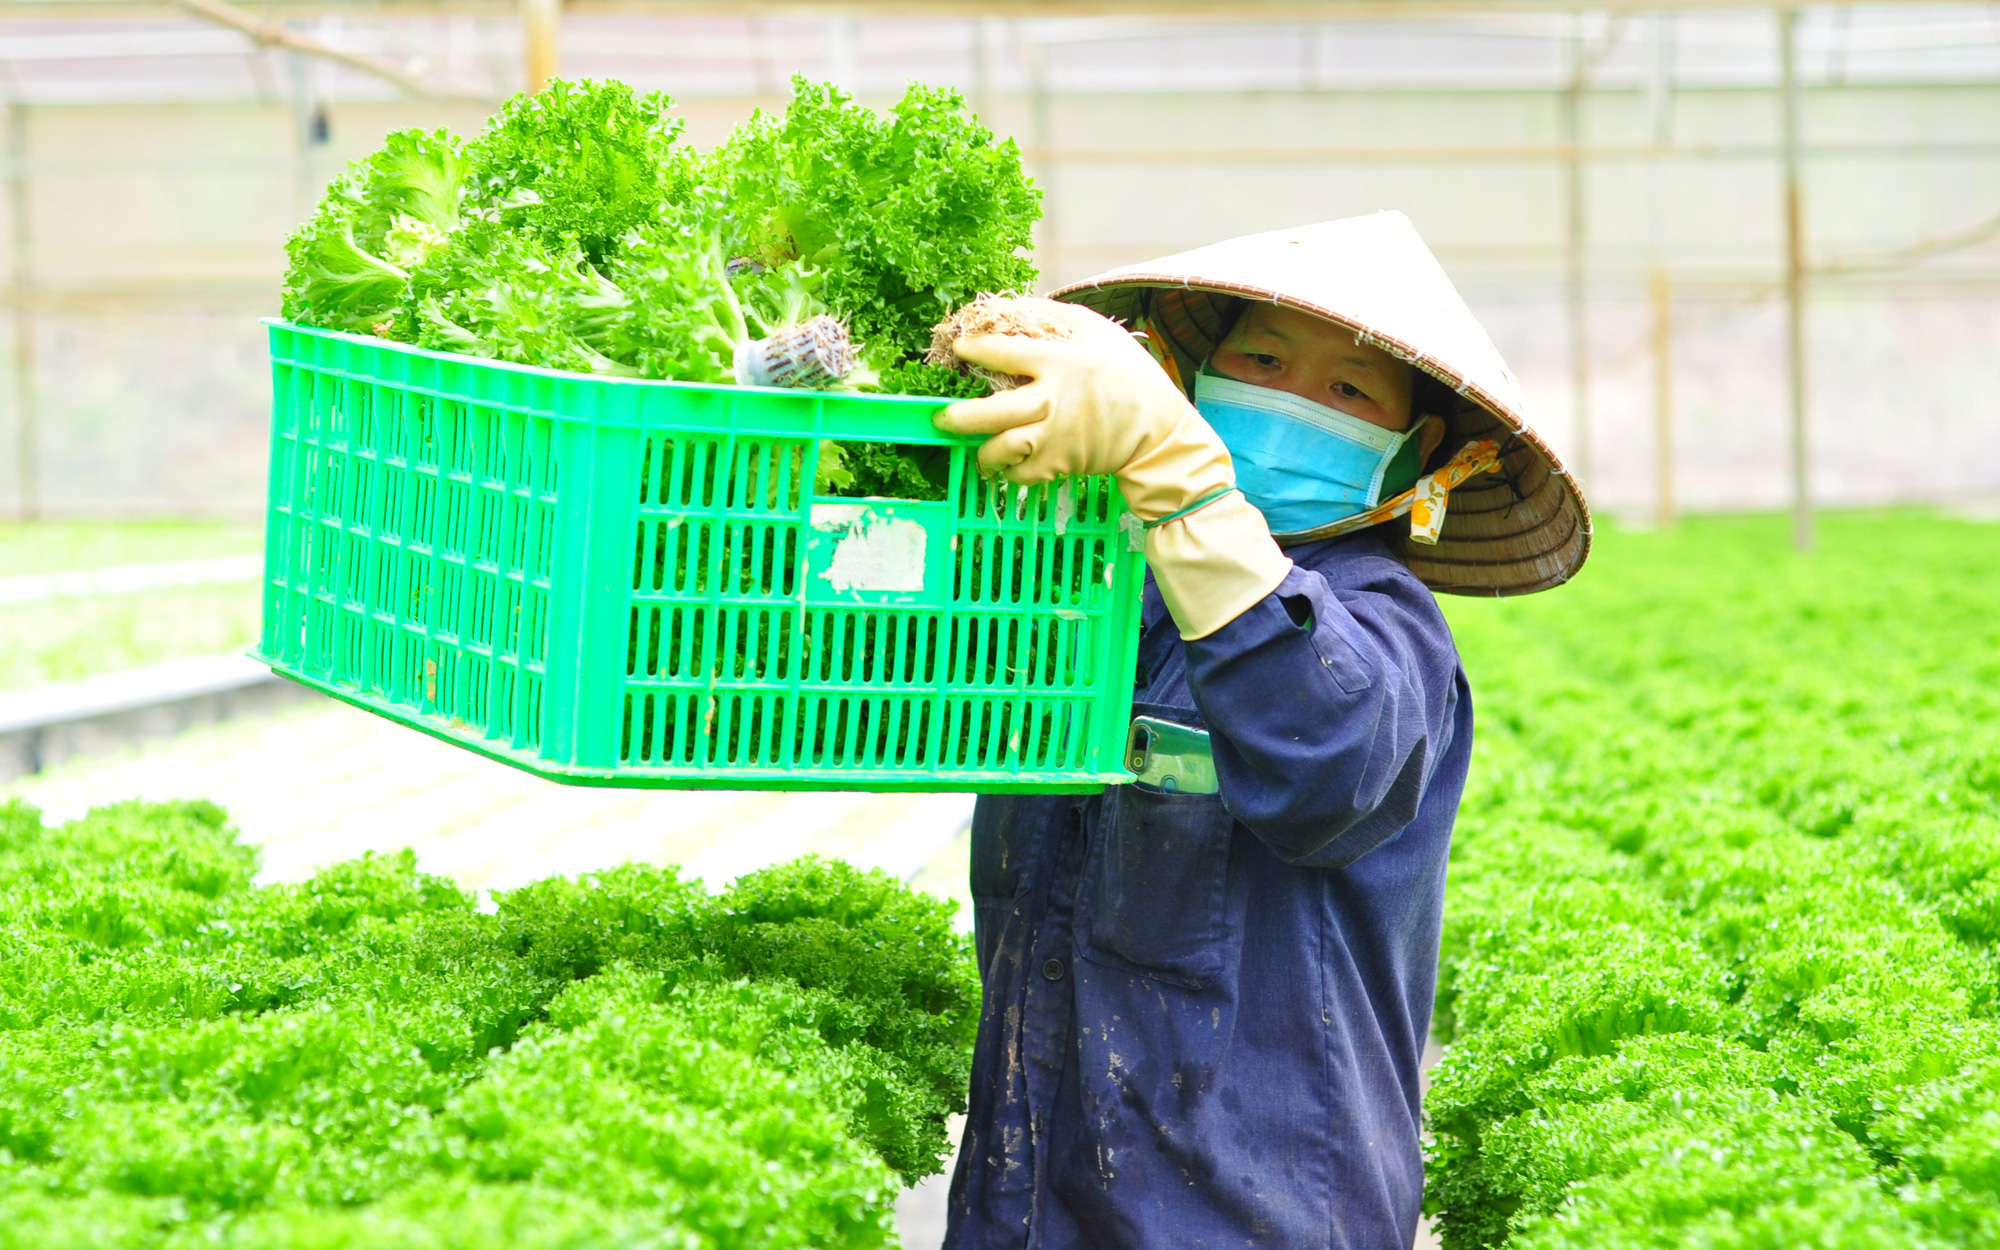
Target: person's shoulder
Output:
[
  {"x": 1364, "y": 564},
  {"x": 1362, "y": 561}
]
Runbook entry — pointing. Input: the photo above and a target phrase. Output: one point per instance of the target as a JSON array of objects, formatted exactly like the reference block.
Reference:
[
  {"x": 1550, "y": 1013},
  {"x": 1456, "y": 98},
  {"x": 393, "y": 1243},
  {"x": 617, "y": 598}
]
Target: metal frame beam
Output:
[
  {"x": 266, "y": 34},
  {"x": 1307, "y": 10}
]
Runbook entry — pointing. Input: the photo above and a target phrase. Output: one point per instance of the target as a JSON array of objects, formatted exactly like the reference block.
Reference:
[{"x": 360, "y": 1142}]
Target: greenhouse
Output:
[{"x": 571, "y": 569}]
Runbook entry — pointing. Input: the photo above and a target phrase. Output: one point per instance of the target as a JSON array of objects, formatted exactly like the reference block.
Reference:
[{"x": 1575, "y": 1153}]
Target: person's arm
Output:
[
  {"x": 1327, "y": 711},
  {"x": 1099, "y": 403}
]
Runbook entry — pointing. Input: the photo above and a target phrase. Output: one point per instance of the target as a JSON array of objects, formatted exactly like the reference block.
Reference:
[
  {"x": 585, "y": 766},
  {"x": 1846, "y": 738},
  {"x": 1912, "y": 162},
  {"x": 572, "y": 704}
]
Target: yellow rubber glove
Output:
[{"x": 1098, "y": 403}]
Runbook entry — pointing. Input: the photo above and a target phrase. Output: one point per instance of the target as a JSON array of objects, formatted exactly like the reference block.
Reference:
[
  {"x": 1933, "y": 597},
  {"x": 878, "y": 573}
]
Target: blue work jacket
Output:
[{"x": 1204, "y": 1015}]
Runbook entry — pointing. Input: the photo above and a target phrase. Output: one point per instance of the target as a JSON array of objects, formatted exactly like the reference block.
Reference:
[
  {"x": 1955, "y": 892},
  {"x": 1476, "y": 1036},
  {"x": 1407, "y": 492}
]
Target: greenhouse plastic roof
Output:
[{"x": 130, "y": 60}]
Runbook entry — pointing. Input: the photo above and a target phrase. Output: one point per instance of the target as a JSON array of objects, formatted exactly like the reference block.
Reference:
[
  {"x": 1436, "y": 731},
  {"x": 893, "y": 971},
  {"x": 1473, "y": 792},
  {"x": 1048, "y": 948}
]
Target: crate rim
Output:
[
  {"x": 599, "y": 379},
  {"x": 707, "y": 777}
]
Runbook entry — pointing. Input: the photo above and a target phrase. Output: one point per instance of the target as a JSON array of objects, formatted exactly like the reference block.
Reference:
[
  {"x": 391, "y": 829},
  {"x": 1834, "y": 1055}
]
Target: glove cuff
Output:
[
  {"x": 1188, "y": 464},
  {"x": 1214, "y": 564}
]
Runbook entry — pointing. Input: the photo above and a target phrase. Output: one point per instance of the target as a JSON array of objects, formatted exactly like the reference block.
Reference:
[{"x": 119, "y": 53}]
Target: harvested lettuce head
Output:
[
  {"x": 816, "y": 248},
  {"x": 905, "y": 216},
  {"x": 349, "y": 267},
  {"x": 586, "y": 160},
  {"x": 510, "y": 295},
  {"x": 696, "y": 307}
]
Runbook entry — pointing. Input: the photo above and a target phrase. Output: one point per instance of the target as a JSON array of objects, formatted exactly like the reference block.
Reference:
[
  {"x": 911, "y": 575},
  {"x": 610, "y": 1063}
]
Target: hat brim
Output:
[{"x": 1523, "y": 528}]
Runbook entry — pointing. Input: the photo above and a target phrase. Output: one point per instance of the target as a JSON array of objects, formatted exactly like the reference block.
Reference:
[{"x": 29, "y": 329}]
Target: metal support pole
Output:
[
  {"x": 1660, "y": 113},
  {"x": 27, "y": 415},
  {"x": 309, "y": 135},
  {"x": 1663, "y": 398},
  {"x": 987, "y": 37},
  {"x": 764, "y": 58},
  {"x": 1573, "y": 256},
  {"x": 843, "y": 65},
  {"x": 1660, "y": 83},
  {"x": 1042, "y": 130},
  {"x": 1795, "y": 278},
  {"x": 541, "y": 31}
]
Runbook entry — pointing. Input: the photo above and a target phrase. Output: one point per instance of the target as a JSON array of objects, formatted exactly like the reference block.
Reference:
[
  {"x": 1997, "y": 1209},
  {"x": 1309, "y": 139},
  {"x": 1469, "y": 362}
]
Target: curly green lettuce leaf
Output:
[
  {"x": 509, "y": 295},
  {"x": 419, "y": 176},
  {"x": 905, "y": 217},
  {"x": 583, "y": 160},
  {"x": 684, "y": 320},
  {"x": 915, "y": 377},
  {"x": 695, "y": 303},
  {"x": 349, "y": 267}
]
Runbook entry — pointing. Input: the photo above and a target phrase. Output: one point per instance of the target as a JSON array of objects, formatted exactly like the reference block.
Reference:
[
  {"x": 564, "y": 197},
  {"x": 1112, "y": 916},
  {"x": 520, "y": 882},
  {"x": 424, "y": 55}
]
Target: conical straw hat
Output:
[{"x": 1522, "y": 528}]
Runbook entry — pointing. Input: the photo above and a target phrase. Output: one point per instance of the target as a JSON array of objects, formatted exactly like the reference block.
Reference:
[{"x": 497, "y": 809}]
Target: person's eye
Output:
[
  {"x": 1348, "y": 390},
  {"x": 1264, "y": 360}
]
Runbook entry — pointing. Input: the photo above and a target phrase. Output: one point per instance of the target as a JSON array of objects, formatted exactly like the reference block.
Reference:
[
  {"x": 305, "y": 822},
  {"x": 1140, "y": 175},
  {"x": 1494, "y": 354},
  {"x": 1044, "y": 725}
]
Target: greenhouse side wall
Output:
[{"x": 155, "y": 233}]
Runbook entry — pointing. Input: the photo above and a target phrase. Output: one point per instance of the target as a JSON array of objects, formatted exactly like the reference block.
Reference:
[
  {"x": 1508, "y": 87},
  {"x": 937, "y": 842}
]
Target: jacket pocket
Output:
[{"x": 1154, "y": 894}]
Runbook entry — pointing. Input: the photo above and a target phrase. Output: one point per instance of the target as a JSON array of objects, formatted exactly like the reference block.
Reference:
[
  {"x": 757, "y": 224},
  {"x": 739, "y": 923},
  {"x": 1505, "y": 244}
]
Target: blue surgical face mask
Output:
[{"x": 1303, "y": 464}]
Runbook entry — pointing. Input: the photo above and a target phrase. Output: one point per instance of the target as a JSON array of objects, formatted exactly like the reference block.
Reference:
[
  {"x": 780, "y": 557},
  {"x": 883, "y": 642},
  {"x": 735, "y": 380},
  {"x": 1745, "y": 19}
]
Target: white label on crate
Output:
[{"x": 879, "y": 552}]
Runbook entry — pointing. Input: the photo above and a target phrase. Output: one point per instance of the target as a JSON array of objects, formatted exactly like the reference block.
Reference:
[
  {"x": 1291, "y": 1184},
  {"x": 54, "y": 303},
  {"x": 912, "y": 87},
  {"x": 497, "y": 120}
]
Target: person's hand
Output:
[
  {"x": 1095, "y": 403},
  {"x": 1092, "y": 404}
]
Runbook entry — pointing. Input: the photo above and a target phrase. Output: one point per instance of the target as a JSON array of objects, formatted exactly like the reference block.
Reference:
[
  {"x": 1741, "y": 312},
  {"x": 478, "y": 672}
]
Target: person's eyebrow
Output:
[
  {"x": 1272, "y": 331},
  {"x": 1363, "y": 362}
]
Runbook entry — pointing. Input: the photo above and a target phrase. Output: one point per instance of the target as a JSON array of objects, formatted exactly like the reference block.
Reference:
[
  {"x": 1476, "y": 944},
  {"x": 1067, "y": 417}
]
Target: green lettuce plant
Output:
[
  {"x": 576, "y": 232},
  {"x": 371, "y": 1058},
  {"x": 1719, "y": 961}
]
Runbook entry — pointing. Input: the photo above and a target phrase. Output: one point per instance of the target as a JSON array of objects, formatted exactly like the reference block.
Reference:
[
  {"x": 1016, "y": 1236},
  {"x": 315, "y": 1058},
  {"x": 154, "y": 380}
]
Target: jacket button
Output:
[{"x": 1052, "y": 969}]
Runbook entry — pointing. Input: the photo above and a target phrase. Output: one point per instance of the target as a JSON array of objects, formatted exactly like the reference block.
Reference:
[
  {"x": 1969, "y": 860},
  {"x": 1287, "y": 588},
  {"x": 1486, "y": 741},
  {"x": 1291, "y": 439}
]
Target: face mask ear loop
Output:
[{"x": 1388, "y": 457}]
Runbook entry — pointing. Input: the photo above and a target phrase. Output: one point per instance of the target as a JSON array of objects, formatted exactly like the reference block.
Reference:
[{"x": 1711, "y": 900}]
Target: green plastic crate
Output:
[{"x": 629, "y": 583}]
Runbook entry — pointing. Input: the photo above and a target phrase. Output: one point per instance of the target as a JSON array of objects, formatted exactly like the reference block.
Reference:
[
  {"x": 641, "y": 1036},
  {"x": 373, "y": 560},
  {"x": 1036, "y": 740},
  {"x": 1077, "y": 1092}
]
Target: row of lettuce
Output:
[
  {"x": 1720, "y": 956},
  {"x": 376, "y": 1058}
]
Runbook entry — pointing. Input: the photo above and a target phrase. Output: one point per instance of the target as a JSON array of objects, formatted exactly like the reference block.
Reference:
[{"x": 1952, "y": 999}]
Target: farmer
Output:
[{"x": 1207, "y": 992}]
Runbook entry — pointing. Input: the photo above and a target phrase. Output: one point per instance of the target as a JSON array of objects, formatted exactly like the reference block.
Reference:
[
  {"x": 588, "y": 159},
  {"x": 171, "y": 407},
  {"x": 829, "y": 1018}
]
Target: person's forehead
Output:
[{"x": 1294, "y": 326}]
